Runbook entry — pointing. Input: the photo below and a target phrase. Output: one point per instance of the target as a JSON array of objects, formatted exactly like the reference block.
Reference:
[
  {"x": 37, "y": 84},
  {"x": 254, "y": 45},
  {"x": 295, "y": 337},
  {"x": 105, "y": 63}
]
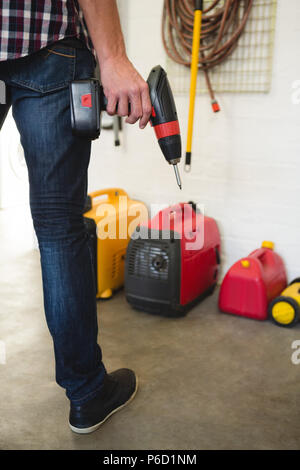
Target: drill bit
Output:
[{"x": 177, "y": 175}]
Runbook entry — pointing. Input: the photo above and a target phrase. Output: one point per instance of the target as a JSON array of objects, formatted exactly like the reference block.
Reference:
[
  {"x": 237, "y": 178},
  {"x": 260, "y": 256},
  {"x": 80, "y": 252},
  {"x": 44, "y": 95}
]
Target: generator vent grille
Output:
[
  {"x": 118, "y": 258},
  {"x": 149, "y": 259}
]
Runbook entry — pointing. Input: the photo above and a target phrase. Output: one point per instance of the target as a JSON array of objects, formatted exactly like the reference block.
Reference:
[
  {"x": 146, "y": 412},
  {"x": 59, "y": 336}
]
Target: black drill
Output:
[{"x": 88, "y": 100}]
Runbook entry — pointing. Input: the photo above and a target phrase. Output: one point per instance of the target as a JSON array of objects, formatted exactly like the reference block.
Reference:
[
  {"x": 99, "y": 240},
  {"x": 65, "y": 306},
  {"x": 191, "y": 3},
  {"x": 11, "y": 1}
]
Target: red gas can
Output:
[{"x": 252, "y": 282}]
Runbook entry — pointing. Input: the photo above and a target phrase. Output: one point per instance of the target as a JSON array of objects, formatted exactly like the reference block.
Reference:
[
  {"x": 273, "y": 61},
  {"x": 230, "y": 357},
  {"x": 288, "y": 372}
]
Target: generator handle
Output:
[
  {"x": 178, "y": 209},
  {"x": 111, "y": 193}
]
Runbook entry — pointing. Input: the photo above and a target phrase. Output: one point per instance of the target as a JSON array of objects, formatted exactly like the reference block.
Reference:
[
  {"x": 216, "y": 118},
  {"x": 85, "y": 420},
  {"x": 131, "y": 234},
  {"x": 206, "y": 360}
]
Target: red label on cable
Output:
[
  {"x": 166, "y": 129},
  {"x": 215, "y": 106},
  {"x": 86, "y": 100}
]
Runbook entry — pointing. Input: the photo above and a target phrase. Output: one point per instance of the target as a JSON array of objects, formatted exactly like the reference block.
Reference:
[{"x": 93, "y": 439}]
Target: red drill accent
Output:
[
  {"x": 166, "y": 129},
  {"x": 86, "y": 100}
]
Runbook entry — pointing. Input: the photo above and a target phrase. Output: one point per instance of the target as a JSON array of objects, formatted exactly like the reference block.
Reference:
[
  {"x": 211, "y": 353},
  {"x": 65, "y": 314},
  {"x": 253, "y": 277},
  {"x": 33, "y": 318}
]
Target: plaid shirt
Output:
[{"x": 28, "y": 25}]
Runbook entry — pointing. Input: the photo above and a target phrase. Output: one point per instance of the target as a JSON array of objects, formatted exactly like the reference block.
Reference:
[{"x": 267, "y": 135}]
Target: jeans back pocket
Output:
[{"x": 52, "y": 68}]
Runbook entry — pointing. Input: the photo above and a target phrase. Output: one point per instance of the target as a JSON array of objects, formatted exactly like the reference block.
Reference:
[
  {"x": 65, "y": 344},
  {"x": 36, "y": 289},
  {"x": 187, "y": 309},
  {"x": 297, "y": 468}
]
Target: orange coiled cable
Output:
[{"x": 223, "y": 22}]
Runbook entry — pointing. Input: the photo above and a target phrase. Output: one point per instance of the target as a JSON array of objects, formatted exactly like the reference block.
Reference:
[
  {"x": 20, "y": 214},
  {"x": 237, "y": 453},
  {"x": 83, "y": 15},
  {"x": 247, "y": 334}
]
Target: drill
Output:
[{"x": 88, "y": 100}]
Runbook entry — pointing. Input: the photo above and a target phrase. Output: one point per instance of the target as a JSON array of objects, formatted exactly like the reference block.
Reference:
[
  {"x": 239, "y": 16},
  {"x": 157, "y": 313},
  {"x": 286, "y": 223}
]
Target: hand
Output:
[{"x": 123, "y": 85}]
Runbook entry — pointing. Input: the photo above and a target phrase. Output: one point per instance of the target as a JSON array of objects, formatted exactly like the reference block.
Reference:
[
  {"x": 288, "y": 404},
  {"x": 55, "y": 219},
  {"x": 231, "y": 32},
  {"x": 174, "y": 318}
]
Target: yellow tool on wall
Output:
[
  {"x": 194, "y": 74},
  {"x": 110, "y": 218}
]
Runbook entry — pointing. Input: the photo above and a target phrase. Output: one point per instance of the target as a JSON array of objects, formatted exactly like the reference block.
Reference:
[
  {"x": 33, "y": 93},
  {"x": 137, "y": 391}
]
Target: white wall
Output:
[
  {"x": 246, "y": 159},
  {"x": 14, "y": 189},
  {"x": 16, "y": 228}
]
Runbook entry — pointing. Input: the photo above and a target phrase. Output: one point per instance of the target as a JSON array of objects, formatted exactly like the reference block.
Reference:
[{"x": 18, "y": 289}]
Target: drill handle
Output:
[
  {"x": 164, "y": 117},
  {"x": 102, "y": 99},
  {"x": 163, "y": 104}
]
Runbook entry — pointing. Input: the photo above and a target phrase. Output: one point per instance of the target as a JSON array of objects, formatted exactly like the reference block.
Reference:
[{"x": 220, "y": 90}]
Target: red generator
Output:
[
  {"x": 172, "y": 262},
  {"x": 252, "y": 282}
]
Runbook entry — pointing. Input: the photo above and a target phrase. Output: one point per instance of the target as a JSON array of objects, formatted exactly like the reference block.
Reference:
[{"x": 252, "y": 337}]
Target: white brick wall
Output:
[{"x": 246, "y": 159}]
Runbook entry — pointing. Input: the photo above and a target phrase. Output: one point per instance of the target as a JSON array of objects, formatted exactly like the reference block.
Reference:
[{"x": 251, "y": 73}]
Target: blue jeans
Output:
[{"x": 57, "y": 165}]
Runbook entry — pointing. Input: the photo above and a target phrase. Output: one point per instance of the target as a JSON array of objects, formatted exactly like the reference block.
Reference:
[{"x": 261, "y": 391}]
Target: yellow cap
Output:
[
  {"x": 245, "y": 263},
  {"x": 268, "y": 244}
]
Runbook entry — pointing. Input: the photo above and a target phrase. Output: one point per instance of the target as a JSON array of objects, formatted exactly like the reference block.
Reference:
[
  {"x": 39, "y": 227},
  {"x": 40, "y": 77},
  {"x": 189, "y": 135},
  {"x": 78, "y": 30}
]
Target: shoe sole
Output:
[{"x": 97, "y": 426}]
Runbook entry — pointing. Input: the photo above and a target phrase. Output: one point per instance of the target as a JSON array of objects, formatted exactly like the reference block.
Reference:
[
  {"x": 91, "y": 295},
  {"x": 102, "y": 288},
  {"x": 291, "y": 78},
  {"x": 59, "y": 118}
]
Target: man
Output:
[{"x": 44, "y": 45}]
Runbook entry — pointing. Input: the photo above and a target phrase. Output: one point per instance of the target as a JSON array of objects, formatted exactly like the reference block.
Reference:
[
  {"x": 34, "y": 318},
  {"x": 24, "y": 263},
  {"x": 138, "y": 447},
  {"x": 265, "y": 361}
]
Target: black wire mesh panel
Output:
[{"x": 248, "y": 68}]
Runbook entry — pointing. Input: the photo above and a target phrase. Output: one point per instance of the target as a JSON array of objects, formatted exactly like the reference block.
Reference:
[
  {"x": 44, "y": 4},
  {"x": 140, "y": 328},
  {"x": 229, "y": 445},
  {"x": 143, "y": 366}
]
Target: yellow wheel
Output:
[{"x": 284, "y": 311}]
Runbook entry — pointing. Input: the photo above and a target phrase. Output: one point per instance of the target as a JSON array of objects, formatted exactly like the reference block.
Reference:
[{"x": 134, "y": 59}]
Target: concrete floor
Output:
[{"x": 207, "y": 381}]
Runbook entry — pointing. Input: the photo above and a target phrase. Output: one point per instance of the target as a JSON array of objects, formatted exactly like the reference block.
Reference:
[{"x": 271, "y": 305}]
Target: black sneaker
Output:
[{"x": 119, "y": 388}]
